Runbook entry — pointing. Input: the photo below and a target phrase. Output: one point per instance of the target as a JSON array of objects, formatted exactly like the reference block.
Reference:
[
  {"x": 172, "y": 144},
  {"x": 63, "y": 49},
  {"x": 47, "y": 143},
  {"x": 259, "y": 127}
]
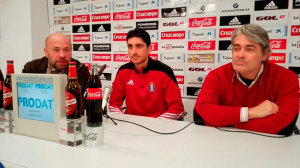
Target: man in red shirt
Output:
[
  {"x": 149, "y": 87},
  {"x": 250, "y": 93}
]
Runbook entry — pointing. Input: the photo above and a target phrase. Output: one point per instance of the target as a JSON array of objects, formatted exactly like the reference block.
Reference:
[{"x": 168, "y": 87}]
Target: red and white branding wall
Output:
[{"x": 191, "y": 36}]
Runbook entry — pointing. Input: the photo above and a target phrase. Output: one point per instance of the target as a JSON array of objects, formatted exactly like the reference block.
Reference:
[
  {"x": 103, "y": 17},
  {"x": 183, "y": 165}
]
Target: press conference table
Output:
[{"x": 127, "y": 145}]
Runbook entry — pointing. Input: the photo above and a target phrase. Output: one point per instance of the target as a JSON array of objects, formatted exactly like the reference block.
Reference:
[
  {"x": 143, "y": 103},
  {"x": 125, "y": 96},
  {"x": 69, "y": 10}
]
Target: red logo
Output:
[
  {"x": 154, "y": 56},
  {"x": 1, "y": 84},
  {"x": 101, "y": 17},
  {"x": 295, "y": 30},
  {"x": 226, "y": 32},
  {"x": 71, "y": 103},
  {"x": 101, "y": 57},
  {"x": 180, "y": 79},
  {"x": 119, "y": 36},
  {"x": 80, "y": 18},
  {"x": 93, "y": 93},
  {"x": 173, "y": 35},
  {"x": 121, "y": 58},
  {"x": 201, "y": 45},
  {"x": 146, "y": 14},
  {"x": 81, "y": 38},
  {"x": 123, "y": 15},
  {"x": 88, "y": 65},
  {"x": 7, "y": 96},
  {"x": 277, "y": 57},
  {"x": 203, "y": 22},
  {"x": 278, "y": 44},
  {"x": 154, "y": 46}
]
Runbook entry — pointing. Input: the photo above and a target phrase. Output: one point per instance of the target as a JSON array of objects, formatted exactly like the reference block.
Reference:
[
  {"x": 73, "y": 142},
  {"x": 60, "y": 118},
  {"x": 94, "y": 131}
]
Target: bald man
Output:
[{"x": 58, "y": 51}]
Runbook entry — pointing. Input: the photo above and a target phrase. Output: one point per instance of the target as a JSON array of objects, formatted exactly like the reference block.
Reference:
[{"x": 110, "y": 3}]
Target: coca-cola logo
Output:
[
  {"x": 91, "y": 137},
  {"x": 226, "y": 33},
  {"x": 201, "y": 45},
  {"x": 80, "y": 18},
  {"x": 278, "y": 44},
  {"x": 121, "y": 58},
  {"x": 123, "y": 15},
  {"x": 180, "y": 79},
  {"x": 202, "y": 22},
  {"x": 295, "y": 30},
  {"x": 94, "y": 93}
]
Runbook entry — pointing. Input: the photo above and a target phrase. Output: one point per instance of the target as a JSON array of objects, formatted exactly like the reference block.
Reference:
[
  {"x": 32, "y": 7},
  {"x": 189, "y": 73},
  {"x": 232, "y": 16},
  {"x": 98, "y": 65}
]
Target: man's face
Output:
[
  {"x": 58, "y": 50},
  {"x": 247, "y": 57},
  {"x": 138, "y": 52}
]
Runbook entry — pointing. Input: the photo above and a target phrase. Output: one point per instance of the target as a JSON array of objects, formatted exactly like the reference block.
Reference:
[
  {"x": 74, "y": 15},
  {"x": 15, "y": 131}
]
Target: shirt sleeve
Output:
[{"x": 117, "y": 95}]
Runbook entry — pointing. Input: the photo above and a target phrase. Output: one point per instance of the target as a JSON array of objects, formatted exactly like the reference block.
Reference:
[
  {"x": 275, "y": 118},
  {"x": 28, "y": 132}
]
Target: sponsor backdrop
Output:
[{"x": 191, "y": 36}]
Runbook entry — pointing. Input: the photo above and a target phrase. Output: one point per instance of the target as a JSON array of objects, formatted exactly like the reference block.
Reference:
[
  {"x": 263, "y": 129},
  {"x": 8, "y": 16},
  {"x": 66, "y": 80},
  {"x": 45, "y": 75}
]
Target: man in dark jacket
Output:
[{"x": 58, "y": 51}]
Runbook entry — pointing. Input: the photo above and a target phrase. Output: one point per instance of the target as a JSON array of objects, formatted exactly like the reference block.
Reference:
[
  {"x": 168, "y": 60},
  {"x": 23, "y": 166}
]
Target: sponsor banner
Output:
[
  {"x": 193, "y": 91},
  {"x": 147, "y": 14},
  {"x": 294, "y": 58},
  {"x": 172, "y": 46},
  {"x": 294, "y": 43},
  {"x": 80, "y": 18},
  {"x": 123, "y": 26},
  {"x": 123, "y": 5},
  {"x": 295, "y": 17},
  {"x": 101, "y": 37},
  {"x": 153, "y": 35},
  {"x": 276, "y": 31},
  {"x": 66, "y": 29},
  {"x": 78, "y": 1},
  {"x": 121, "y": 58},
  {"x": 82, "y": 57},
  {"x": 129, "y": 15},
  {"x": 81, "y": 28},
  {"x": 278, "y": 44},
  {"x": 270, "y": 5},
  {"x": 120, "y": 46},
  {"x": 173, "y": 12},
  {"x": 62, "y": 20},
  {"x": 180, "y": 79},
  {"x": 154, "y": 56},
  {"x": 146, "y": 3},
  {"x": 81, "y": 38},
  {"x": 226, "y": 32},
  {"x": 202, "y": 34},
  {"x": 296, "y": 70},
  {"x": 277, "y": 58},
  {"x": 195, "y": 74},
  {"x": 295, "y": 30},
  {"x": 177, "y": 68},
  {"x": 203, "y": 9},
  {"x": 296, "y": 4},
  {"x": 102, "y": 17},
  {"x": 154, "y": 46},
  {"x": 172, "y": 35},
  {"x": 100, "y": 7},
  {"x": 225, "y": 57},
  {"x": 101, "y": 27},
  {"x": 172, "y": 24},
  {"x": 234, "y": 20},
  {"x": 119, "y": 36},
  {"x": 271, "y": 17},
  {"x": 173, "y": 2},
  {"x": 102, "y": 47},
  {"x": 201, "y": 45},
  {"x": 202, "y": 22},
  {"x": 101, "y": 57},
  {"x": 234, "y": 6},
  {"x": 201, "y": 58},
  {"x": 61, "y": 11},
  {"x": 225, "y": 45},
  {"x": 81, "y": 9},
  {"x": 151, "y": 25},
  {"x": 61, "y": 2},
  {"x": 172, "y": 58},
  {"x": 81, "y": 47}
]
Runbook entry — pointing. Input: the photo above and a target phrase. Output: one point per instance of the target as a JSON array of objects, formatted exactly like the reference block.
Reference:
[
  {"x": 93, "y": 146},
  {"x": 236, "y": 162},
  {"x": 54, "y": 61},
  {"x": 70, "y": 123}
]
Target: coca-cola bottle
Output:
[
  {"x": 1, "y": 90},
  {"x": 7, "y": 90},
  {"x": 73, "y": 94},
  {"x": 94, "y": 99}
]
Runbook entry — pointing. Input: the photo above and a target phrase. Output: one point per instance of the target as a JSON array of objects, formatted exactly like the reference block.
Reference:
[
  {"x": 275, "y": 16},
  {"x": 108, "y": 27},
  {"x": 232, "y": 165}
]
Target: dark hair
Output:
[{"x": 141, "y": 33}]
